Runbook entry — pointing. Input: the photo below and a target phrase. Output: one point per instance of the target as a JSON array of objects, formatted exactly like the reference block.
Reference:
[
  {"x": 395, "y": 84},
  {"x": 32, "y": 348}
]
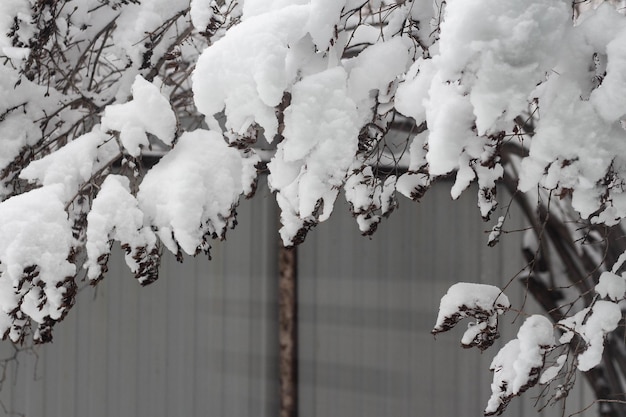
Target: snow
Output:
[
  {"x": 192, "y": 192},
  {"x": 73, "y": 164},
  {"x": 320, "y": 142},
  {"x": 148, "y": 112},
  {"x": 608, "y": 99},
  {"x": 35, "y": 234},
  {"x": 592, "y": 324},
  {"x": 201, "y": 12},
  {"x": 245, "y": 73},
  {"x": 506, "y": 55},
  {"x": 115, "y": 216},
  {"x": 611, "y": 286},
  {"x": 375, "y": 69},
  {"x": 481, "y": 301},
  {"x": 516, "y": 366},
  {"x": 412, "y": 93}
]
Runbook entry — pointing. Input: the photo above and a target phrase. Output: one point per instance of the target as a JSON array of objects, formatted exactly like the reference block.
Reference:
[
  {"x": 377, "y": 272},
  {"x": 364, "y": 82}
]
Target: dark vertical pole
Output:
[{"x": 288, "y": 331}]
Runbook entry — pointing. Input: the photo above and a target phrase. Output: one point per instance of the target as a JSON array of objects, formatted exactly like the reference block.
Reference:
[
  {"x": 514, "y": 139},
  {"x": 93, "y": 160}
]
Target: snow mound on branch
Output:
[
  {"x": 480, "y": 301},
  {"x": 609, "y": 99},
  {"x": 324, "y": 15},
  {"x": 135, "y": 24},
  {"x": 74, "y": 163},
  {"x": 375, "y": 69},
  {"x": 592, "y": 324},
  {"x": 412, "y": 93},
  {"x": 310, "y": 165},
  {"x": 611, "y": 285},
  {"x": 506, "y": 55},
  {"x": 148, "y": 112},
  {"x": 369, "y": 197},
  {"x": 246, "y": 72},
  {"x": 201, "y": 13},
  {"x": 191, "y": 194},
  {"x": 480, "y": 78},
  {"x": 35, "y": 243},
  {"x": 115, "y": 216},
  {"x": 517, "y": 365}
]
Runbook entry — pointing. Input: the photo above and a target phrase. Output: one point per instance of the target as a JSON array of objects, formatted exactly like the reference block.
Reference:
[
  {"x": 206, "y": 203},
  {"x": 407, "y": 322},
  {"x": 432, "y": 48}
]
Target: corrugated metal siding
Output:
[
  {"x": 198, "y": 342},
  {"x": 367, "y": 308},
  {"x": 202, "y": 340}
]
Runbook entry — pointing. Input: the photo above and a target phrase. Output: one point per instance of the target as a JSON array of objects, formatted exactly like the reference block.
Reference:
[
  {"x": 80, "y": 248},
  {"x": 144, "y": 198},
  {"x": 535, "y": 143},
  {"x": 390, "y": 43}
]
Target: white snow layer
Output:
[
  {"x": 193, "y": 190},
  {"x": 74, "y": 163},
  {"x": 115, "y": 216},
  {"x": 34, "y": 232},
  {"x": 464, "y": 296},
  {"x": 592, "y": 324},
  {"x": 320, "y": 143},
  {"x": 611, "y": 286},
  {"x": 148, "y": 112},
  {"x": 246, "y": 72},
  {"x": 517, "y": 365}
]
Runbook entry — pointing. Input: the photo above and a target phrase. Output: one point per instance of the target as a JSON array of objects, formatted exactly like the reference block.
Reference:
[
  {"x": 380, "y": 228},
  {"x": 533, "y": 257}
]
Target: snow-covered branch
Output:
[{"x": 332, "y": 98}]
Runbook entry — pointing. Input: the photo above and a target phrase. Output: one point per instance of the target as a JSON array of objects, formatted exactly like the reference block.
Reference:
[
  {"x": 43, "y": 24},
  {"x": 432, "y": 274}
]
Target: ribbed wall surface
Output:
[{"x": 202, "y": 340}]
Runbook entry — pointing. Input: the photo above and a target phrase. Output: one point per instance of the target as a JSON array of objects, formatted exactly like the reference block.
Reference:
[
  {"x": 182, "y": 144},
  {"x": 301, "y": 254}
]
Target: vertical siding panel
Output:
[
  {"x": 152, "y": 352},
  {"x": 180, "y": 335},
  {"x": 368, "y": 307},
  {"x": 126, "y": 355}
]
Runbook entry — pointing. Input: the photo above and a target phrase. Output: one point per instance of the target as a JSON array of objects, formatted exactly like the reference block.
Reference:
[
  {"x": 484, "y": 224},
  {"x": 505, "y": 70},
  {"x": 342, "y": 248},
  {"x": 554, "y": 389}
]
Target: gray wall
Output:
[{"x": 201, "y": 341}]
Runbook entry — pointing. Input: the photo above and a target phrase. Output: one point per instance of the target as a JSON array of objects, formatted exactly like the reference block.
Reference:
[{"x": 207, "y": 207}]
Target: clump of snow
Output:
[
  {"x": 480, "y": 301},
  {"x": 74, "y": 163},
  {"x": 496, "y": 231},
  {"x": 201, "y": 13},
  {"x": 35, "y": 243},
  {"x": 137, "y": 20},
  {"x": 190, "y": 195},
  {"x": 375, "y": 69},
  {"x": 414, "y": 183},
  {"x": 611, "y": 286},
  {"x": 320, "y": 143},
  {"x": 148, "y": 112},
  {"x": 115, "y": 216},
  {"x": 447, "y": 135},
  {"x": 608, "y": 99},
  {"x": 503, "y": 58},
  {"x": 517, "y": 365},
  {"x": 370, "y": 198},
  {"x": 412, "y": 93},
  {"x": 324, "y": 17},
  {"x": 253, "y": 8},
  {"x": 246, "y": 72},
  {"x": 592, "y": 324}
]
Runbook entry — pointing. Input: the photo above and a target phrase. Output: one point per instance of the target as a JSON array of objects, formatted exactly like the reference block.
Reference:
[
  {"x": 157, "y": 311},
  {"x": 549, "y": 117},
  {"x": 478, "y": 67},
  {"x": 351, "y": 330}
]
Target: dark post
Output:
[{"x": 288, "y": 331}]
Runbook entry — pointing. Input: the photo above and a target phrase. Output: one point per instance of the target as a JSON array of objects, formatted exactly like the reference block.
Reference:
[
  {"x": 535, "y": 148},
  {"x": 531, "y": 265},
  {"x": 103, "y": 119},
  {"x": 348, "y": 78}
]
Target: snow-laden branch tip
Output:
[{"x": 484, "y": 303}]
